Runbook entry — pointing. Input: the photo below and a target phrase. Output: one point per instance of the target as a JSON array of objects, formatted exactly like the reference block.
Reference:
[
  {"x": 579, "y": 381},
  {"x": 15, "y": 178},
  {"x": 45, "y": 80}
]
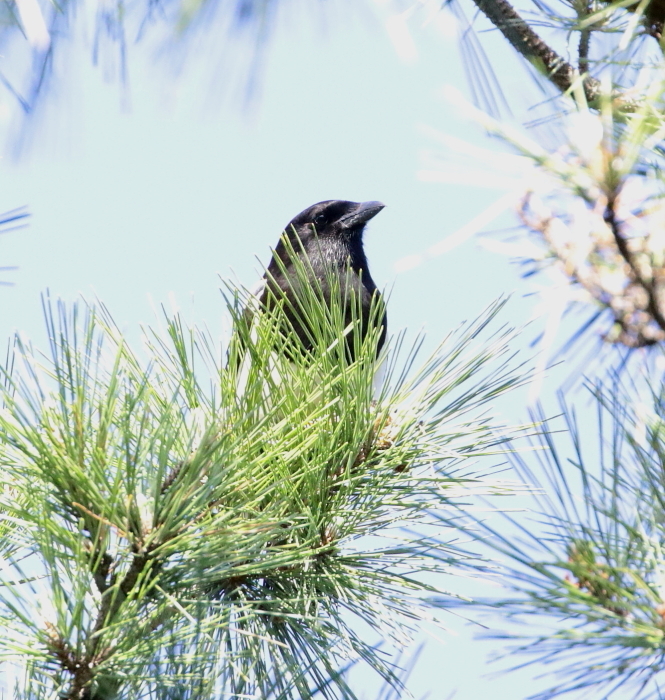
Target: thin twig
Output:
[
  {"x": 622, "y": 244},
  {"x": 585, "y": 40},
  {"x": 583, "y": 51}
]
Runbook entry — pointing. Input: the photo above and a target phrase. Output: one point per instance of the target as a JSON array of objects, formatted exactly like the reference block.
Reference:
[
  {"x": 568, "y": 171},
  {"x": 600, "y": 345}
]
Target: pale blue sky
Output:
[{"x": 154, "y": 200}]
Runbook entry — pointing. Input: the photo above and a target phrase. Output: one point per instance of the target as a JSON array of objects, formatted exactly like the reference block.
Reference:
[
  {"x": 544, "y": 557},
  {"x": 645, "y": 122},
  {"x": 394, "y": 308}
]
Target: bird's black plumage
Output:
[{"x": 328, "y": 238}]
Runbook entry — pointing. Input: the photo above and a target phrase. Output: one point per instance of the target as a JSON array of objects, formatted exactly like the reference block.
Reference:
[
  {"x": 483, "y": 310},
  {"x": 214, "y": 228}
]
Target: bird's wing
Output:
[{"x": 257, "y": 290}]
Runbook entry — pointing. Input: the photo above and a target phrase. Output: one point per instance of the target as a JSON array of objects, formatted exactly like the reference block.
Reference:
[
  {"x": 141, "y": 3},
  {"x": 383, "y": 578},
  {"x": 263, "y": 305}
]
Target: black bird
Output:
[{"x": 330, "y": 235}]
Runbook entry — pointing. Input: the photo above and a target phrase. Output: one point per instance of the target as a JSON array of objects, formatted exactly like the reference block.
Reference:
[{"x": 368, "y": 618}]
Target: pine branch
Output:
[
  {"x": 601, "y": 237},
  {"x": 240, "y": 567},
  {"x": 590, "y": 559},
  {"x": 526, "y": 42},
  {"x": 530, "y": 45}
]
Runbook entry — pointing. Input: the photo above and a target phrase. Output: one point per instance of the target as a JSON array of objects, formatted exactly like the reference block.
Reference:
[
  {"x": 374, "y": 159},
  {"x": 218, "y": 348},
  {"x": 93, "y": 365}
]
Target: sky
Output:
[{"x": 149, "y": 194}]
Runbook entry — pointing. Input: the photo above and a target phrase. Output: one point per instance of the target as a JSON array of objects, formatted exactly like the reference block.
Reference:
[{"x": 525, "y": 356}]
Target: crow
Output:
[{"x": 328, "y": 239}]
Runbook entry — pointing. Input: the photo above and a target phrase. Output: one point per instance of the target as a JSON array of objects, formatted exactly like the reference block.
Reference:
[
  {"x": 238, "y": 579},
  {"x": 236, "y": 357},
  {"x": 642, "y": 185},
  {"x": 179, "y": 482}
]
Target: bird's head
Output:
[{"x": 335, "y": 218}]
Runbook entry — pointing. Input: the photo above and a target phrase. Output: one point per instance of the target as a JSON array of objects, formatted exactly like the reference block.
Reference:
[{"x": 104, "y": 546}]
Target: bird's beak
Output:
[{"x": 362, "y": 214}]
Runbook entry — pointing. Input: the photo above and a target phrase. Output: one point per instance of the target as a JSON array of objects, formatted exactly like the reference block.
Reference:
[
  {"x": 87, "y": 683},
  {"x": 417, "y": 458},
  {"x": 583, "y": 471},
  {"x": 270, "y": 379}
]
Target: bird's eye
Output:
[{"x": 320, "y": 220}]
